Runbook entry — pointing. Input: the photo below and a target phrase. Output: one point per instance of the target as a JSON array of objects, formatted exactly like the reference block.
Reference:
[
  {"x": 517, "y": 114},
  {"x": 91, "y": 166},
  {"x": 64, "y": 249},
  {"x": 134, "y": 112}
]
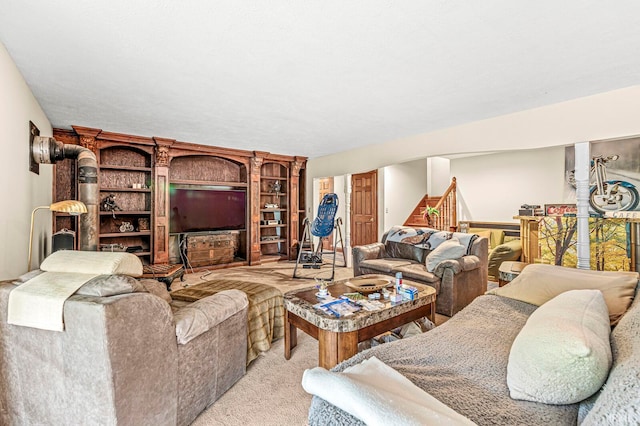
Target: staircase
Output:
[{"x": 447, "y": 220}]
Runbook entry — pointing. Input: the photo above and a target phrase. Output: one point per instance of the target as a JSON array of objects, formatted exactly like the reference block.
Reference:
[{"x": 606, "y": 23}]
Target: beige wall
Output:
[
  {"x": 21, "y": 190},
  {"x": 404, "y": 186},
  {"x": 603, "y": 116},
  {"x": 438, "y": 175},
  {"x": 493, "y": 187}
]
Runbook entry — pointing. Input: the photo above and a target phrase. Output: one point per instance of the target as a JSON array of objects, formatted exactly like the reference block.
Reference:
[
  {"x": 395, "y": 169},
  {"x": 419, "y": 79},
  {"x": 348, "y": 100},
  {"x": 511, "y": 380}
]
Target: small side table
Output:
[
  {"x": 508, "y": 271},
  {"x": 163, "y": 273}
]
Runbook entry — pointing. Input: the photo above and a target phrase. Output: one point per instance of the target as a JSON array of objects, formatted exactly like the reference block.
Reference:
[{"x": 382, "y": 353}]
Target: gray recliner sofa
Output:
[
  {"x": 120, "y": 360},
  {"x": 457, "y": 282}
]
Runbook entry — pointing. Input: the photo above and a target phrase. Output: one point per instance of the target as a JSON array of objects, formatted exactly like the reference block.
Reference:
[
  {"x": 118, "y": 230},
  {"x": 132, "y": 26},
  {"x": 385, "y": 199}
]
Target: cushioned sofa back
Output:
[
  {"x": 618, "y": 401},
  {"x": 404, "y": 251},
  {"x": 115, "y": 363},
  {"x": 495, "y": 236},
  {"x": 400, "y": 250}
]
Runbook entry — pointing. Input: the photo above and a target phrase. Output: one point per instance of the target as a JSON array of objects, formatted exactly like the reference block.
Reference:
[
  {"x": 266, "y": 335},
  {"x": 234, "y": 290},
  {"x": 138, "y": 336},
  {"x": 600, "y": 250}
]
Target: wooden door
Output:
[
  {"x": 325, "y": 186},
  {"x": 364, "y": 208}
]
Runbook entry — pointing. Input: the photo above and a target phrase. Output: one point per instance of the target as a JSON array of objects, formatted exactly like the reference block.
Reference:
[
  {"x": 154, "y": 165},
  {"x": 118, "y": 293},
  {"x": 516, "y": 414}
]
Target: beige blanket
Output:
[
  {"x": 265, "y": 315},
  {"x": 39, "y": 302}
]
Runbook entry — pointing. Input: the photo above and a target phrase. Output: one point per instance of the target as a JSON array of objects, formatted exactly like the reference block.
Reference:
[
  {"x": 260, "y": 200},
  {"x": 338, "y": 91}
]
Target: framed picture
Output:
[{"x": 560, "y": 209}]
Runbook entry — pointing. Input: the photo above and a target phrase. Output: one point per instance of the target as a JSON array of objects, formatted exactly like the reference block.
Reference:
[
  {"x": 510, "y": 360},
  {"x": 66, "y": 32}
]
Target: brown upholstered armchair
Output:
[
  {"x": 504, "y": 242},
  {"x": 457, "y": 281}
]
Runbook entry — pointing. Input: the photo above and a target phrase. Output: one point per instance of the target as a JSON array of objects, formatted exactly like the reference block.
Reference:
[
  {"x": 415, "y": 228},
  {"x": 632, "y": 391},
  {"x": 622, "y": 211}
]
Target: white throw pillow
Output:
[
  {"x": 562, "y": 355},
  {"x": 93, "y": 262},
  {"x": 450, "y": 249}
]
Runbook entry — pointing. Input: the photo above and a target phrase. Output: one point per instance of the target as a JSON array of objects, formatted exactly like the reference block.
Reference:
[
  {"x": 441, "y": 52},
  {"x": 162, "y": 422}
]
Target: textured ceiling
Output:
[{"x": 312, "y": 77}]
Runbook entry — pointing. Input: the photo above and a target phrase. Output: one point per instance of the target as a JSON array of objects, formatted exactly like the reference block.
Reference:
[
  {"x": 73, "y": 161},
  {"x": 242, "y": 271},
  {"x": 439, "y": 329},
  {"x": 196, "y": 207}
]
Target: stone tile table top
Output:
[
  {"x": 300, "y": 303},
  {"x": 338, "y": 337}
]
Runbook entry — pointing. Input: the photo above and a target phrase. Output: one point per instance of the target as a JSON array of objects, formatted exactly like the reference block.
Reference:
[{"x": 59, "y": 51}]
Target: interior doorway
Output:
[{"x": 364, "y": 208}]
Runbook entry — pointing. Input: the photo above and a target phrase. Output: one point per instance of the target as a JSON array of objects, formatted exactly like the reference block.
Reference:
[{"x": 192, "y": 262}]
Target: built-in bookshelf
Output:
[
  {"x": 135, "y": 177},
  {"x": 126, "y": 202},
  {"x": 274, "y": 212}
]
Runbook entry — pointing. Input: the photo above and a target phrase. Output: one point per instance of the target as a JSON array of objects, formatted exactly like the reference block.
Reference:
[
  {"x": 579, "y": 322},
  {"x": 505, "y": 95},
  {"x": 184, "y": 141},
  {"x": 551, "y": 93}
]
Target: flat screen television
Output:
[{"x": 207, "y": 208}]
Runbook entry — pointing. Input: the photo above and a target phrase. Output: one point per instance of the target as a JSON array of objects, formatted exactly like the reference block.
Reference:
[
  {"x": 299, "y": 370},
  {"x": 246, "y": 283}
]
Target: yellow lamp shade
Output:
[{"x": 73, "y": 207}]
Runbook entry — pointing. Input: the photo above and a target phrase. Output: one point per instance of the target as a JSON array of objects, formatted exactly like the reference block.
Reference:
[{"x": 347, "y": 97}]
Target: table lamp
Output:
[{"x": 73, "y": 207}]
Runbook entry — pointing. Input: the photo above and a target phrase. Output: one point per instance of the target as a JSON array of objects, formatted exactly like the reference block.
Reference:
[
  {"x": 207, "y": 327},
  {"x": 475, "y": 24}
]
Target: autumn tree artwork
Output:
[{"x": 609, "y": 243}]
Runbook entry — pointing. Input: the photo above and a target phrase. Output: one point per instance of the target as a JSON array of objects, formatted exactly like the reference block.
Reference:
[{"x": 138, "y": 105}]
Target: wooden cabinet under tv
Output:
[
  {"x": 140, "y": 171},
  {"x": 211, "y": 249}
]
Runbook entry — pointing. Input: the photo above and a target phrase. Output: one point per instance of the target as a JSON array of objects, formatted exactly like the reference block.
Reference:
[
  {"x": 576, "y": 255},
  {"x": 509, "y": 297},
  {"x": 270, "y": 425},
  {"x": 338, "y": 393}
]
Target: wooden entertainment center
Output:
[{"x": 136, "y": 175}]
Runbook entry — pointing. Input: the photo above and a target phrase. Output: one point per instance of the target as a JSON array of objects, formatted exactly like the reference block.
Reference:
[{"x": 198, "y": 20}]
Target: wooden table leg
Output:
[
  {"x": 290, "y": 336},
  {"x": 347, "y": 345},
  {"x": 432, "y": 314},
  {"x": 327, "y": 349},
  {"x": 334, "y": 348}
]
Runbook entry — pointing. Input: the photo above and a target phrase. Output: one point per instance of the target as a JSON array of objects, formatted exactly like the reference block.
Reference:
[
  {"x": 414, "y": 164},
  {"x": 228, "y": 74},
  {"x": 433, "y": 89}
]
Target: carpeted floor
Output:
[
  {"x": 270, "y": 393},
  {"x": 277, "y": 274}
]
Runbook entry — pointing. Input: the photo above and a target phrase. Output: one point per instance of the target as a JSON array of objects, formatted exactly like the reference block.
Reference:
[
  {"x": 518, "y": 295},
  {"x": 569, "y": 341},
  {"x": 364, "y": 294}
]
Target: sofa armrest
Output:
[
  {"x": 509, "y": 251},
  {"x": 465, "y": 263},
  {"x": 468, "y": 262},
  {"x": 200, "y": 316},
  {"x": 362, "y": 253},
  {"x": 454, "y": 264}
]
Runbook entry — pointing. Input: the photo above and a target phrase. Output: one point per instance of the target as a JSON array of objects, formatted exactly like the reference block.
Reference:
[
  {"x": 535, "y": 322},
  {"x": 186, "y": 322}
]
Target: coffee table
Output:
[{"x": 338, "y": 338}]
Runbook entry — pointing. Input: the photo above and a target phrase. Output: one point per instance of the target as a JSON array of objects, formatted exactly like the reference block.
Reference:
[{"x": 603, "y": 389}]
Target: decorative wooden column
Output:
[
  {"x": 254, "y": 214},
  {"x": 529, "y": 226},
  {"x": 87, "y": 138},
  {"x": 161, "y": 213},
  {"x": 294, "y": 204}
]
